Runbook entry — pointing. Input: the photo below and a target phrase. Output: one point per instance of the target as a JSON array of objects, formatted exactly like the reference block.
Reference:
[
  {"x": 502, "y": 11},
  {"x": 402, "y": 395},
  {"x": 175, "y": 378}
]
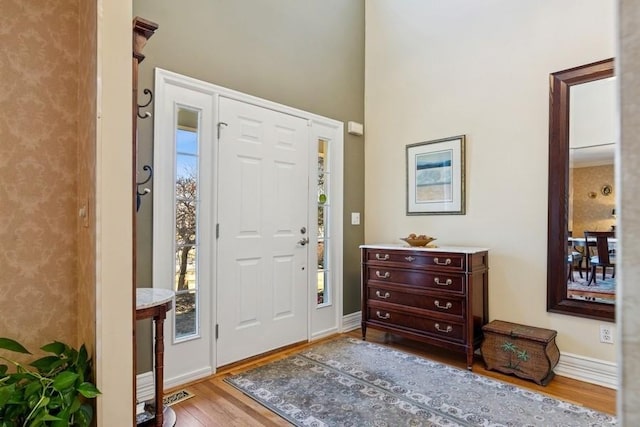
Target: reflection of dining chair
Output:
[
  {"x": 574, "y": 261},
  {"x": 585, "y": 248},
  {"x": 601, "y": 257}
]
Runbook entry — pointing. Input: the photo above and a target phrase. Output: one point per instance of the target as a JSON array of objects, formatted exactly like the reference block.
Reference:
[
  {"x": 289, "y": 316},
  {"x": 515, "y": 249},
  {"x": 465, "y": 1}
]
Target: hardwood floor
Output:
[{"x": 219, "y": 404}]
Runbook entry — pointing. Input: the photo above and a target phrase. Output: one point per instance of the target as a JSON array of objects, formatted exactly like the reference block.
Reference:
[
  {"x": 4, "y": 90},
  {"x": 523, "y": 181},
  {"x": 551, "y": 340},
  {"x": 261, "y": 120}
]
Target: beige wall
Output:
[
  {"x": 308, "y": 55},
  {"x": 437, "y": 69},
  {"x": 38, "y": 166}
]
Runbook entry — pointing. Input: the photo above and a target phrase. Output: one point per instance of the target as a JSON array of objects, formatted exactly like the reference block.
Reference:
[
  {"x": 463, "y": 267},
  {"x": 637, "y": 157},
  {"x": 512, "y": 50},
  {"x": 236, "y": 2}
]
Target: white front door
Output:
[{"x": 262, "y": 275}]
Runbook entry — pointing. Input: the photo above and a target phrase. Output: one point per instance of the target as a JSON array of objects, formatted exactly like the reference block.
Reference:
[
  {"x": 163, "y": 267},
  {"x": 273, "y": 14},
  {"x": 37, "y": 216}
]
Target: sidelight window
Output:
[
  {"x": 324, "y": 230},
  {"x": 186, "y": 283}
]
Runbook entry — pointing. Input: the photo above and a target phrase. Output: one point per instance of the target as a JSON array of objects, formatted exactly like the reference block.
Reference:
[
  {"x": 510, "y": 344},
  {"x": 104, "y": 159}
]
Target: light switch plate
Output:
[{"x": 355, "y": 218}]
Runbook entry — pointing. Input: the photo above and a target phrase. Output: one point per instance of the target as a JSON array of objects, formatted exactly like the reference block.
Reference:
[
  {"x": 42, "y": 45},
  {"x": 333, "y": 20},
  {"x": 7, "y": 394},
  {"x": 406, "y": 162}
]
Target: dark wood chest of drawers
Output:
[{"x": 438, "y": 296}]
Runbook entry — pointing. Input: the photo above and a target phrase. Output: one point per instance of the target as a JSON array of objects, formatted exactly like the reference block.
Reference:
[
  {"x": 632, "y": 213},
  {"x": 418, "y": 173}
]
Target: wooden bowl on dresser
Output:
[{"x": 418, "y": 242}]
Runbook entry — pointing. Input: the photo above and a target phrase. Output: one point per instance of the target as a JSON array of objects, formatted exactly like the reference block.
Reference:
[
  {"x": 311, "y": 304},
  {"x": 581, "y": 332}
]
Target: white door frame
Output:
[
  {"x": 170, "y": 97},
  {"x": 322, "y": 321},
  {"x": 327, "y": 319}
]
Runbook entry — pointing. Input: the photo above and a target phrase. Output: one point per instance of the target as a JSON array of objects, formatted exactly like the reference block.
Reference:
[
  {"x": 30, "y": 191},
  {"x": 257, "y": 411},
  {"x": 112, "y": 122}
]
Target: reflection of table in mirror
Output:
[
  {"x": 154, "y": 304},
  {"x": 582, "y": 242}
]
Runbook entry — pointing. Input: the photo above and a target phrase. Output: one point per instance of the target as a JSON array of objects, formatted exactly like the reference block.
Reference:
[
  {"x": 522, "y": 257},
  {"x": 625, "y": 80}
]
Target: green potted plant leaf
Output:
[{"x": 50, "y": 391}]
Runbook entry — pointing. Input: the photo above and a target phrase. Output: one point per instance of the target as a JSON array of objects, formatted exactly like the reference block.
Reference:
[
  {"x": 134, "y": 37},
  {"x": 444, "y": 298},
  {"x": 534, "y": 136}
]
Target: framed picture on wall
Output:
[{"x": 435, "y": 177}]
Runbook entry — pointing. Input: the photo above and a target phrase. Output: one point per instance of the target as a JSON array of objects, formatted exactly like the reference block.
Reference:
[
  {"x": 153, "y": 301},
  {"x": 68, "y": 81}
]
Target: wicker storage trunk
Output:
[{"x": 525, "y": 351}]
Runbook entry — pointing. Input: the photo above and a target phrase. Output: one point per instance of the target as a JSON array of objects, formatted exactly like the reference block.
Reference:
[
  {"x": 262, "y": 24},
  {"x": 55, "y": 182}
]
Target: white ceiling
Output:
[
  {"x": 593, "y": 123},
  {"x": 595, "y": 155}
]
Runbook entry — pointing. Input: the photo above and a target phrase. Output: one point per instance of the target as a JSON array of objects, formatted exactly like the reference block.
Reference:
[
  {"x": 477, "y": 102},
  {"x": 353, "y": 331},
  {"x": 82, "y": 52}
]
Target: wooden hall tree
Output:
[{"x": 142, "y": 31}]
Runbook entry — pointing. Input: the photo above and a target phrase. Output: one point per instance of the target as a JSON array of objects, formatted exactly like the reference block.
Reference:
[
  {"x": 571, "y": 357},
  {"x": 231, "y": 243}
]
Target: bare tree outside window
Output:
[
  {"x": 186, "y": 192},
  {"x": 186, "y": 278}
]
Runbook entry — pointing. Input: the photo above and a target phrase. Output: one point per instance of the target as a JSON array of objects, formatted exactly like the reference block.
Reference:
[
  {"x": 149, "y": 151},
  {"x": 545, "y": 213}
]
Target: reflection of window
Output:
[
  {"x": 186, "y": 221},
  {"x": 324, "y": 237}
]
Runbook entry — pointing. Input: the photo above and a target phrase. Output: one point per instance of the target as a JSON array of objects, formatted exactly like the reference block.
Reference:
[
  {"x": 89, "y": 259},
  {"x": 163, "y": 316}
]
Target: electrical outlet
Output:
[{"x": 606, "y": 334}]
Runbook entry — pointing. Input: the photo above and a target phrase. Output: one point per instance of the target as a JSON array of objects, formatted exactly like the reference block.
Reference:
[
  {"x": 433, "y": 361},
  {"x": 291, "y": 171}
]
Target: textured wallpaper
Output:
[
  {"x": 38, "y": 168},
  {"x": 590, "y": 208}
]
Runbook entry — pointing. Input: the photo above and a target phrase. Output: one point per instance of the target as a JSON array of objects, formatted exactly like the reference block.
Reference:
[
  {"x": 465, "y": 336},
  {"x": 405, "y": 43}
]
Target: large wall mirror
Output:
[{"x": 583, "y": 128}]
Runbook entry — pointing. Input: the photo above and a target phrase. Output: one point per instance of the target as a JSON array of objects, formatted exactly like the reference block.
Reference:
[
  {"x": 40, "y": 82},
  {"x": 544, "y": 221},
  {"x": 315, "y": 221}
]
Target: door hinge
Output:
[
  {"x": 217, "y": 231},
  {"x": 216, "y": 331}
]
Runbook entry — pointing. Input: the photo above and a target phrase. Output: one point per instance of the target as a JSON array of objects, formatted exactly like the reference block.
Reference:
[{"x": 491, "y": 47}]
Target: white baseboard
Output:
[
  {"x": 188, "y": 377},
  {"x": 351, "y": 321},
  {"x": 574, "y": 366},
  {"x": 589, "y": 370},
  {"x": 145, "y": 382},
  {"x": 145, "y": 389},
  {"x": 321, "y": 334}
]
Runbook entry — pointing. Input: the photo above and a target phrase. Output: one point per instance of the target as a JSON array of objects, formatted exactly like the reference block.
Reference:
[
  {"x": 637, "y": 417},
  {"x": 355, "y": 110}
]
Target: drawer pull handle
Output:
[
  {"x": 382, "y": 257},
  {"x": 446, "y": 261},
  {"x": 410, "y": 258},
  {"x": 380, "y": 316},
  {"x": 447, "y": 306},
  {"x": 386, "y": 274},
  {"x": 437, "y": 281},
  {"x": 446, "y": 331},
  {"x": 385, "y": 296}
]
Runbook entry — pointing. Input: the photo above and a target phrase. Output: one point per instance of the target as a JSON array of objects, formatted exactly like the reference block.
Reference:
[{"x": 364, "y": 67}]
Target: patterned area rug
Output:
[
  {"x": 601, "y": 291},
  {"x": 349, "y": 382}
]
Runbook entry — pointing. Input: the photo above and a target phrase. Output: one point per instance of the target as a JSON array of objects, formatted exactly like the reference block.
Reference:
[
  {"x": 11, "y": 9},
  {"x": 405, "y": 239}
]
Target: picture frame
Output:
[{"x": 436, "y": 177}]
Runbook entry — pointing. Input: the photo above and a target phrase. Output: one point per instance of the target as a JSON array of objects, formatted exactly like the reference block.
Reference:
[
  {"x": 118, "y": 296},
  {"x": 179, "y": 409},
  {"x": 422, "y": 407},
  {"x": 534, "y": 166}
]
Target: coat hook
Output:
[
  {"x": 144, "y": 191},
  {"x": 146, "y": 114}
]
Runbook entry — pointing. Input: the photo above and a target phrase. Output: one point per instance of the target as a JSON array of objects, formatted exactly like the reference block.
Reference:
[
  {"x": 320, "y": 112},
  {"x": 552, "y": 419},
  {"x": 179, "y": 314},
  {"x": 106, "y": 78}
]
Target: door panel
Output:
[{"x": 263, "y": 202}]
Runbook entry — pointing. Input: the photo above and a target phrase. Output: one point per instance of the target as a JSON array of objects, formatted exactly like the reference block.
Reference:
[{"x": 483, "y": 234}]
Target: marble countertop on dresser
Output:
[
  {"x": 401, "y": 246},
  {"x": 150, "y": 297}
]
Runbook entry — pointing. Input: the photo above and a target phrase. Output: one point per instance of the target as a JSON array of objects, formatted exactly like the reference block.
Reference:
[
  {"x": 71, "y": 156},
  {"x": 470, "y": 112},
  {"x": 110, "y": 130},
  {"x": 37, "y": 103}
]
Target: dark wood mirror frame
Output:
[{"x": 560, "y": 84}]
